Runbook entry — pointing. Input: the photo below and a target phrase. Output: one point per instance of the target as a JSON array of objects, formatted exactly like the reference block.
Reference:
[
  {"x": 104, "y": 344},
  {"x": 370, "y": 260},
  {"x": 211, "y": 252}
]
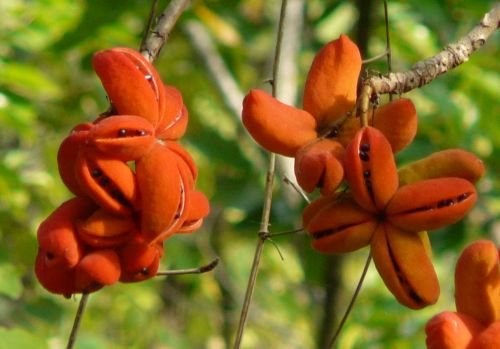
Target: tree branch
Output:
[
  {"x": 160, "y": 33},
  {"x": 423, "y": 72}
]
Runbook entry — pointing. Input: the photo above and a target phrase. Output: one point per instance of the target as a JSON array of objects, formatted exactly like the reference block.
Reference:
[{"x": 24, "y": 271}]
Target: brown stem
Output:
[
  {"x": 268, "y": 197},
  {"x": 78, "y": 319},
  {"x": 425, "y": 71},
  {"x": 351, "y": 303},
  {"x": 159, "y": 35},
  {"x": 200, "y": 270}
]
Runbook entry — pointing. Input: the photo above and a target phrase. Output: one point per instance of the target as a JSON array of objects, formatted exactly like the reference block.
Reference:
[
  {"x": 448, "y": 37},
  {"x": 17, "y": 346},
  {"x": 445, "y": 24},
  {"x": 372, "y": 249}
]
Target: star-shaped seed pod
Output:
[
  {"x": 476, "y": 324},
  {"x": 392, "y": 219},
  {"x": 327, "y": 118}
]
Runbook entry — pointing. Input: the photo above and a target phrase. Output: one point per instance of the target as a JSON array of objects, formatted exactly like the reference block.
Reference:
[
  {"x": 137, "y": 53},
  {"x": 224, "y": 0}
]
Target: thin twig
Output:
[
  {"x": 152, "y": 14},
  {"x": 160, "y": 33},
  {"x": 295, "y": 187},
  {"x": 388, "y": 42},
  {"x": 351, "y": 303},
  {"x": 375, "y": 58},
  {"x": 200, "y": 270},
  {"x": 425, "y": 71},
  {"x": 78, "y": 319},
  {"x": 281, "y": 233},
  {"x": 266, "y": 211}
]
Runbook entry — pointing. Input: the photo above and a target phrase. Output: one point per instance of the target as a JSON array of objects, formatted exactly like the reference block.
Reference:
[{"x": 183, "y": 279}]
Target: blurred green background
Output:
[{"x": 47, "y": 86}]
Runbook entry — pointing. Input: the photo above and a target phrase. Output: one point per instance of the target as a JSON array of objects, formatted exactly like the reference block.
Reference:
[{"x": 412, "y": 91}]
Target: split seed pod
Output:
[
  {"x": 319, "y": 165},
  {"x": 123, "y": 137},
  {"x": 110, "y": 182},
  {"x": 57, "y": 236},
  {"x": 139, "y": 259},
  {"x": 97, "y": 269},
  {"x": 55, "y": 278},
  {"x": 161, "y": 185},
  {"x": 173, "y": 123},
  {"x": 67, "y": 154},
  {"x": 370, "y": 169},
  {"x": 131, "y": 82},
  {"x": 413, "y": 207},
  {"x": 403, "y": 263},
  {"x": 105, "y": 230},
  {"x": 340, "y": 226}
]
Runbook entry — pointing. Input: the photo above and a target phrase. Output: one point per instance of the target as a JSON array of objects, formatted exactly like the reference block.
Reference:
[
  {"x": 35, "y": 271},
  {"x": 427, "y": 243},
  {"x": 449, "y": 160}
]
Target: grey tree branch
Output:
[
  {"x": 160, "y": 33},
  {"x": 425, "y": 71}
]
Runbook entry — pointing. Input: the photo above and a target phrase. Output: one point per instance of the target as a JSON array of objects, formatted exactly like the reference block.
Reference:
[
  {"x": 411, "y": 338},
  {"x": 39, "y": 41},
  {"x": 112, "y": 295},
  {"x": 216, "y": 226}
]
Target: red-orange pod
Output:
[
  {"x": 319, "y": 165},
  {"x": 123, "y": 137},
  {"x": 488, "y": 339},
  {"x": 110, "y": 182},
  {"x": 277, "y": 127},
  {"x": 184, "y": 156},
  {"x": 67, "y": 154},
  {"x": 431, "y": 204},
  {"x": 161, "y": 188},
  {"x": 131, "y": 82},
  {"x": 174, "y": 121},
  {"x": 340, "y": 226},
  {"x": 54, "y": 278},
  {"x": 97, "y": 269},
  {"x": 198, "y": 209},
  {"x": 104, "y": 230},
  {"x": 139, "y": 259},
  {"x": 370, "y": 169},
  {"x": 477, "y": 282},
  {"x": 57, "y": 236},
  {"x": 403, "y": 263},
  {"x": 449, "y": 330}
]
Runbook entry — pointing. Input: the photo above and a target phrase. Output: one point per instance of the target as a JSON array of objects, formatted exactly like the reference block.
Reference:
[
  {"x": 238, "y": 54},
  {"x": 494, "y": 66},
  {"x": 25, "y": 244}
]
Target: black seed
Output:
[
  {"x": 364, "y": 147},
  {"x": 118, "y": 196},
  {"x": 148, "y": 76},
  {"x": 462, "y": 197},
  {"x": 413, "y": 295},
  {"x": 144, "y": 271},
  {"x": 367, "y": 174},
  {"x": 177, "y": 215},
  {"x": 364, "y": 156},
  {"x": 445, "y": 203},
  {"x": 104, "y": 181},
  {"x": 141, "y": 133},
  {"x": 96, "y": 173},
  {"x": 49, "y": 256},
  {"x": 334, "y": 132},
  {"x": 122, "y": 132}
]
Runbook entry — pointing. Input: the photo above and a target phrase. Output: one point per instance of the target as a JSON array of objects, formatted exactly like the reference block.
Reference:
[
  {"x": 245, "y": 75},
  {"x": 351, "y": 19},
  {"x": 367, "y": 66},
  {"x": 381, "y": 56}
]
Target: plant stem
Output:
[
  {"x": 268, "y": 196},
  {"x": 351, "y": 303},
  {"x": 157, "y": 37},
  {"x": 200, "y": 270},
  {"x": 78, "y": 319}
]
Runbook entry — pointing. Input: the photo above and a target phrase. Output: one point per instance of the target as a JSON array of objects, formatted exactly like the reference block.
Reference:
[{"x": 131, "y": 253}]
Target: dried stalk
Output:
[{"x": 268, "y": 195}]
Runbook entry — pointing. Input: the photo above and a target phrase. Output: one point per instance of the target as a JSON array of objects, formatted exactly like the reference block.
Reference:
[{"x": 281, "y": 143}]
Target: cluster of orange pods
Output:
[
  {"x": 134, "y": 184},
  {"x": 365, "y": 200}
]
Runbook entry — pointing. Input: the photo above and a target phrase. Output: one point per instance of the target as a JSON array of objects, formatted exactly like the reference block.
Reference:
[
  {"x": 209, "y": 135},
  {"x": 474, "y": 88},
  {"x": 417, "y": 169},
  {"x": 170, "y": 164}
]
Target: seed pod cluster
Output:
[
  {"x": 316, "y": 136},
  {"x": 134, "y": 184}
]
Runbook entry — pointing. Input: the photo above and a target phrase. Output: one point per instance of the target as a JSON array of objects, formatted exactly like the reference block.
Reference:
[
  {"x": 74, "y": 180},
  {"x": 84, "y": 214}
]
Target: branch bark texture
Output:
[
  {"x": 423, "y": 72},
  {"x": 160, "y": 33}
]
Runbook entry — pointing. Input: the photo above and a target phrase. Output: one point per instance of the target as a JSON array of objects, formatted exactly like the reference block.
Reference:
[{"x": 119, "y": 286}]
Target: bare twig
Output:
[
  {"x": 200, "y": 270},
  {"x": 78, "y": 319},
  {"x": 425, "y": 71},
  {"x": 151, "y": 19},
  {"x": 159, "y": 35},
  {"x": 268, "y": 194},
  {"x": 375, "y": 58},
  {"x": 295, "y": 187},
  {"x": 351, "y": 303}
]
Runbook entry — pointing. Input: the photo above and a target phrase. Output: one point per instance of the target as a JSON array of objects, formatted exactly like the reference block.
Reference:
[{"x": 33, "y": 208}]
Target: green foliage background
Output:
[{"x": 47, "y": 85}]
